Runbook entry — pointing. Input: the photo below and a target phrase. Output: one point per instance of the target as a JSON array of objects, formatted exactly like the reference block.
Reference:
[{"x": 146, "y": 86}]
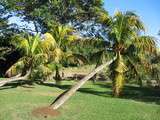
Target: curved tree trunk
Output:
[
  {"x": 17, "y": 78},
  {"x": 61, "y": 99}
]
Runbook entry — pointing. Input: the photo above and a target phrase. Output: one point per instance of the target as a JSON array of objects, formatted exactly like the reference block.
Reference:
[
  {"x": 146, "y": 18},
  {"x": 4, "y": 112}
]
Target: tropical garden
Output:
[{"x": 78, "y": 61}]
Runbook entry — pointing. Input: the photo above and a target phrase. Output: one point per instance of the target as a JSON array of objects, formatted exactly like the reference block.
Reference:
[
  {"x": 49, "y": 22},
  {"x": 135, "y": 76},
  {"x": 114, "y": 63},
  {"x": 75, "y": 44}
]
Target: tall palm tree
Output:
[{"x": 123, "y": 33}]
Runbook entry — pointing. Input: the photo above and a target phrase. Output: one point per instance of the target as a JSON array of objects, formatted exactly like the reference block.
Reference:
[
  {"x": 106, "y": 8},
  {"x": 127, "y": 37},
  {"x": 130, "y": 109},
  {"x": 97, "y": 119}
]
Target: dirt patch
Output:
[{"x": 45, "y": 112}]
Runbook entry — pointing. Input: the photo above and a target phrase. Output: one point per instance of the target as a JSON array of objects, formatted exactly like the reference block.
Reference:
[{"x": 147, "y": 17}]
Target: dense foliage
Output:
[{"x": 72, "y": 33}]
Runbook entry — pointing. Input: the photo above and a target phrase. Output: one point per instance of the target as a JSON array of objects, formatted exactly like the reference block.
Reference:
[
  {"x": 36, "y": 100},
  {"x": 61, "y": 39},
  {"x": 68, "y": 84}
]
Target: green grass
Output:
[{"x": 92, "y": 102}]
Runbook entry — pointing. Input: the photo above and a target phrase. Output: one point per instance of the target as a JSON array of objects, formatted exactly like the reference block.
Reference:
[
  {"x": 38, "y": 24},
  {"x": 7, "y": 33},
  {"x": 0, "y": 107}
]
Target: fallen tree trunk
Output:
[
  {"x": 16, "y": 78},
  {"x": 61, "y": 99}
]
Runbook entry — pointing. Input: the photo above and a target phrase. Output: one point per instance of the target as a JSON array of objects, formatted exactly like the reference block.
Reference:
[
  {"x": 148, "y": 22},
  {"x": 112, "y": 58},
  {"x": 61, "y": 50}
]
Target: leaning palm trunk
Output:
[
  {"x": 17, "y": 78},
  {"x": 61, "y": 99}
]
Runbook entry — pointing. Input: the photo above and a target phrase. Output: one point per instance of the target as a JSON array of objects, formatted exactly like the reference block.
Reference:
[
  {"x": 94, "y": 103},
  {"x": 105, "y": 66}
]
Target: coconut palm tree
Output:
[
  {"x": 33, "y": 55},
  {"x": 42, "y": 52},
  {"x": 62, "y": 35},
  {"x": 123, "y": 33},
  {"x": 32, "y": 52}
]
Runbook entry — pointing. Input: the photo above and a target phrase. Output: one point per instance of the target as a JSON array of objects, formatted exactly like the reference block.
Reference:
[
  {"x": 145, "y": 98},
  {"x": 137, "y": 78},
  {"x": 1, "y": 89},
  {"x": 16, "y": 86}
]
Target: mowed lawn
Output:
[{"x": 92, "y": 102}]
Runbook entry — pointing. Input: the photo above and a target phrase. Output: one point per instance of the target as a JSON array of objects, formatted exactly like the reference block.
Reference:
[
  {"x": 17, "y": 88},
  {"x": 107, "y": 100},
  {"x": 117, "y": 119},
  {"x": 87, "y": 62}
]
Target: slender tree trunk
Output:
[
  {"x": 8, "y": 80},
  {"x": 57, "y": 76},
  {"x": 158, "y": 80},
  {"x": 140, "y": 82},
  {"x": 61, "y": 99},
  {"x": 94, "y": 78}
]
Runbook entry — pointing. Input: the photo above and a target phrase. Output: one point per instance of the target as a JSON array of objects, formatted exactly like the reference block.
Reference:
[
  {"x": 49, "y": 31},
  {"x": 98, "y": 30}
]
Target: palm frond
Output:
[
  {"x": 145, "y": 44},
  {"x": 35, "y": 42},
  {"x": 103, "y": 16},
  {"x": 76, "y": 58},
  {"x": 39, "y": 59},
  {"x": 133, "y": 67},
  {"x": 57, "y": 55},
  {"x": 63, "y": 35},
  {"x": 48, "y": 43},
  {"x": 98, "y": 56},
  {"x": 124, "y": 27}
]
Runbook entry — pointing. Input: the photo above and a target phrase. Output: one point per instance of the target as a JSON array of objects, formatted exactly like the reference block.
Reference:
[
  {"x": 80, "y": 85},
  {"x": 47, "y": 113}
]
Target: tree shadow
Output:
[
  {"x": 63, "y": 87},
  {"x": 104, "y": 84},
  {"x": 21, "y": 83},
  {"x": 95, "y": 92},
  {"x": 7, "y": 87},
  {"x": 82, "y": 90},
  {"x": 142, "y": 94}
]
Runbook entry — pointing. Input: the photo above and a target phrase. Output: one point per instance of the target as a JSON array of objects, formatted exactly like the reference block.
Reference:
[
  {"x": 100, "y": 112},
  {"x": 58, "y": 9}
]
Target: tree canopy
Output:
[{"x": 45, "y": 13}]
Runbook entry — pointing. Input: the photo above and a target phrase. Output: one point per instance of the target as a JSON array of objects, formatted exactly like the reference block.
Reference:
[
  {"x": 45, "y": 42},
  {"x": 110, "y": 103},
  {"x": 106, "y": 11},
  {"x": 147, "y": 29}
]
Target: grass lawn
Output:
[{"x": 92, "y": 102}]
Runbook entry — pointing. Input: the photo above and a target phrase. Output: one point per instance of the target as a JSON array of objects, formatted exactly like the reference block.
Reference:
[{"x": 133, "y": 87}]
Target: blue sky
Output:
[{"x": 148, "y": 10}]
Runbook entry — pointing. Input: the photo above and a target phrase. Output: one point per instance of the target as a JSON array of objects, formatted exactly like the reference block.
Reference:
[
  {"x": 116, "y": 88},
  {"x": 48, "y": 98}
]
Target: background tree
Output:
[
  {"x": 87, "y": 17},
  {"x": 46, "y": 13},
  {"x": 9, "y": 51}
]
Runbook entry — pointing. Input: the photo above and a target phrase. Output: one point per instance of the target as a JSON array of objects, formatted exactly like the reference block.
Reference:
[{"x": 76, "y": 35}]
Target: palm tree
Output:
[
  {"x": 33, "y": 55},
  {"x": 50, "y": 50},
  {"x": 62, "y": 37},
  {"x": 31, "y": 50},
  {"x": 123, "y": 33}
]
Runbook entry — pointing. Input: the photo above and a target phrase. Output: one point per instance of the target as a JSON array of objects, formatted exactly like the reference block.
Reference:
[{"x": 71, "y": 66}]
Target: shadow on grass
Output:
[
  {"x": 21, "y": 83},
  {"x": 148, "y": 95},
  {"x": 145, "y": 94},
  {"x": 82, "y": 90}
]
